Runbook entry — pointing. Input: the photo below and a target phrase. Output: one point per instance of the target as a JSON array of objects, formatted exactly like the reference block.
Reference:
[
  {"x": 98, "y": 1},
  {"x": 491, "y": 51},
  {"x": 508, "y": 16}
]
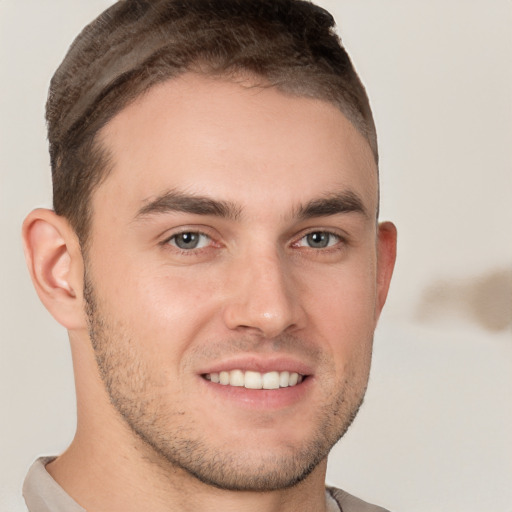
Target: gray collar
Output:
[{"x": 43, "y": 494}]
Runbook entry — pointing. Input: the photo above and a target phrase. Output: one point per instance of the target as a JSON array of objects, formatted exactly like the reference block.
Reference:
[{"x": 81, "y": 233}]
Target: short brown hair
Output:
[{"x": 135, "y": 44}]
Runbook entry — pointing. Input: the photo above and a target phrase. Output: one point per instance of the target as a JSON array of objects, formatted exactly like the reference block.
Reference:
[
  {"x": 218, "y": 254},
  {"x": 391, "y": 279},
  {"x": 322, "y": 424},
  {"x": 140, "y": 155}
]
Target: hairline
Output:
[{"x": 245, "y": 78}]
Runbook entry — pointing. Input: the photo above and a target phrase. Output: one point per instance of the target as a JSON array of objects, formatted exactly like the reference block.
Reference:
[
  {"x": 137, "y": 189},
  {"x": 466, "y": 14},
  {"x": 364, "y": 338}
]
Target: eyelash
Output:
[
  {"x": 193, "y": 250},
  {"x": 339, "y": 241}
]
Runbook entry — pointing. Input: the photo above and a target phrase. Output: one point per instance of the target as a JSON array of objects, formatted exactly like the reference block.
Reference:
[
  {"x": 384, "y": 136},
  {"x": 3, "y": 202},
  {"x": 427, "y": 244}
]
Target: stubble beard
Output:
[{"x": 179, "y": 444}]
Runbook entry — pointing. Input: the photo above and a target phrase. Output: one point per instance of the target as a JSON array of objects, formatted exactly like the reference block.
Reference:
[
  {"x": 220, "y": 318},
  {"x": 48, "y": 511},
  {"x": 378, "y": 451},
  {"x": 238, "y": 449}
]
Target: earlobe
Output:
[
  {"x": 54, "y": 260},
  {"x": 386, "y": 256}
]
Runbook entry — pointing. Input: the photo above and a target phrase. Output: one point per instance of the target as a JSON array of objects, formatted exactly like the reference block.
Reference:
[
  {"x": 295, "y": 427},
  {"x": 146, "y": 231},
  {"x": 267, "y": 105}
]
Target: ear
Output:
[
  {"x": 386, "y": 256},
  {"x": 55, "y": 263}
]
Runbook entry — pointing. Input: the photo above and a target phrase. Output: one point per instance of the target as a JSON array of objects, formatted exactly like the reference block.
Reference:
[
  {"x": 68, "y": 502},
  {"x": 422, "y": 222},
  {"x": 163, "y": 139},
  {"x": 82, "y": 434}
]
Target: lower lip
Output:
[{"x": 264, "y": 399}]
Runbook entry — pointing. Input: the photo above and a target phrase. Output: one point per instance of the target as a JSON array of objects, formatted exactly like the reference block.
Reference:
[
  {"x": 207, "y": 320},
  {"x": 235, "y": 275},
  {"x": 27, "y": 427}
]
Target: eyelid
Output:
[
  {"x": 169, "y": 234},
  {"x": 331, "y": 244},
  {"x": 342, "y": 237},
  {"x": 199, "y": 234}
]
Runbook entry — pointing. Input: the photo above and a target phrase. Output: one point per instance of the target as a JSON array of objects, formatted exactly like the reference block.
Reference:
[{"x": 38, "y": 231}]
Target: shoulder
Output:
[{"x": 349, "y": 503}]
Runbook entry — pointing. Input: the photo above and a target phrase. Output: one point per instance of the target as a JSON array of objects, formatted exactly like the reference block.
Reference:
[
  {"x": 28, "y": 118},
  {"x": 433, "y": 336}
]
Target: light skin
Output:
[{"x": 236, "y": 231}]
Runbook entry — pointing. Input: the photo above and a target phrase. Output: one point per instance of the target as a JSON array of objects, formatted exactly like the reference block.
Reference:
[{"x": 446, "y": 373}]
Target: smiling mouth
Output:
[{"x": 255, "y": 380}]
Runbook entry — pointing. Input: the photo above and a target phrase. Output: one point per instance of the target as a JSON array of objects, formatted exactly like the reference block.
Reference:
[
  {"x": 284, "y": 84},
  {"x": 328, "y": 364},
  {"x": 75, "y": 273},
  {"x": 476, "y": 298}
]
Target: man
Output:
[{"x": 214, "y": 254}]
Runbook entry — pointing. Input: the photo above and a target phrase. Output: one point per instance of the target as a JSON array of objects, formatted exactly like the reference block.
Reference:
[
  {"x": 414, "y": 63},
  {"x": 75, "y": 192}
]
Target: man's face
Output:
[{"x": 234, "y": 240}]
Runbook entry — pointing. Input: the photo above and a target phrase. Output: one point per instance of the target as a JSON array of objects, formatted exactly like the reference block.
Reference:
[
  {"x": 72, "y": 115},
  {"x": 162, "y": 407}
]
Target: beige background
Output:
[{"x": 435, "y": 433}]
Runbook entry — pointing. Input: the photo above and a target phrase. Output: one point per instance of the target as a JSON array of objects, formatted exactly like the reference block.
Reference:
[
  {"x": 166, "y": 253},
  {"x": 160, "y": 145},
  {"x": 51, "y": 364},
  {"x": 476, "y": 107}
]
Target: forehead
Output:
[{"x": 236, "y": 141}]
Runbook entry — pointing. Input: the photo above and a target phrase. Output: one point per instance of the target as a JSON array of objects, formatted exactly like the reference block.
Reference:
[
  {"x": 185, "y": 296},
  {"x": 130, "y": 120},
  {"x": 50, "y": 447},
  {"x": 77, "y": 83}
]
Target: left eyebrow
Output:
[{"x": 343, "y": 202}]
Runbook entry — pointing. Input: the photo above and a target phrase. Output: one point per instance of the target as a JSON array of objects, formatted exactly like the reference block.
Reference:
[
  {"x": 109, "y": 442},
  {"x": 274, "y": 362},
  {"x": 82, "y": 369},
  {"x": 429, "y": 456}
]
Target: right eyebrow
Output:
[{"x": 176, "y": 201}]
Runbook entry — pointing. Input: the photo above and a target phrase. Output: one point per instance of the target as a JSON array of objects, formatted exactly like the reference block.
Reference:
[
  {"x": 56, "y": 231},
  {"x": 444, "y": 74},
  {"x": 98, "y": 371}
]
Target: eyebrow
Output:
[
  {"x": 175, "y": 201},
  {"x": 342, "y": 202}
]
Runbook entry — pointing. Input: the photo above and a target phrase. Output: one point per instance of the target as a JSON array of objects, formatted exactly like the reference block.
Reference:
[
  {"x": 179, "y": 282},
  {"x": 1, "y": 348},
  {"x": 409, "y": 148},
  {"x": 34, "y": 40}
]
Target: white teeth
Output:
[
  {"x": 255, "y": 380},
  {"x": 271, "y": 380},
  {"x": 236, "y": 378}
]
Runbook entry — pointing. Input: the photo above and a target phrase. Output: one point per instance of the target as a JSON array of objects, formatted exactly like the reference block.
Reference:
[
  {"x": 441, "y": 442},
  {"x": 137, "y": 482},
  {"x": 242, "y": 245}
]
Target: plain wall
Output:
[{"x": 435, "y": 432}]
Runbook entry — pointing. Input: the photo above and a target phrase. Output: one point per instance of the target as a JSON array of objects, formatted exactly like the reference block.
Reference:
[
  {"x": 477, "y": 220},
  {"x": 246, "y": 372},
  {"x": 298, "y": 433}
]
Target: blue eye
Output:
[
  {"x": 190, "y": 240},
  {"x": 319, "y": 240}
]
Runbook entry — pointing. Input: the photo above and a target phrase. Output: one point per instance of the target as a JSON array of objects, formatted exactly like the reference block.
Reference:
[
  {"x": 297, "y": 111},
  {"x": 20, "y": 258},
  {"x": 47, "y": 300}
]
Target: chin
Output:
[
  {"x": 257, "y": 473},
  {"x": 259, "y": 462}
]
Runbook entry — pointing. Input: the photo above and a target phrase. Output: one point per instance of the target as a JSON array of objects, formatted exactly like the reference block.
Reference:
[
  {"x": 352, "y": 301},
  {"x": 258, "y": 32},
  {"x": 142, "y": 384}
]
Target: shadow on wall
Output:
[{"x": 486, "y": 300}]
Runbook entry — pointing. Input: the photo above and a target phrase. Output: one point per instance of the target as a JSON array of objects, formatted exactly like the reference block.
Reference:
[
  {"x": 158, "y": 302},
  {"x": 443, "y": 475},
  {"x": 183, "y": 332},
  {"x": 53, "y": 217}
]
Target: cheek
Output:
[
  {"x": 162, "y": 309},
  {"x": 341, "y": 311},
  {"x": 343, "y": 300}
]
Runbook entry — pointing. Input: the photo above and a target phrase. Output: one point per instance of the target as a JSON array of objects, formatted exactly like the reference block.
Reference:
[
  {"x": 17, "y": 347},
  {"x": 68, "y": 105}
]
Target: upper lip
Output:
[{"x": 260, "y": 364}]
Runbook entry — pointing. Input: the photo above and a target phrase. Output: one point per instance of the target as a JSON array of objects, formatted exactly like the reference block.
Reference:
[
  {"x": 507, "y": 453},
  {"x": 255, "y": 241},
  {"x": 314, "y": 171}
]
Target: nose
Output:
[{"x": 263, "y": 296}]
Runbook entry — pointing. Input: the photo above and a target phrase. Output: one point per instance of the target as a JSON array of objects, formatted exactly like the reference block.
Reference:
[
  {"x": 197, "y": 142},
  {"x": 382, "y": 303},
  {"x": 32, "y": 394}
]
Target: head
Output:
[
  {"x": 136, "y": 44},
  {"x": 216, "y": 198}
]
